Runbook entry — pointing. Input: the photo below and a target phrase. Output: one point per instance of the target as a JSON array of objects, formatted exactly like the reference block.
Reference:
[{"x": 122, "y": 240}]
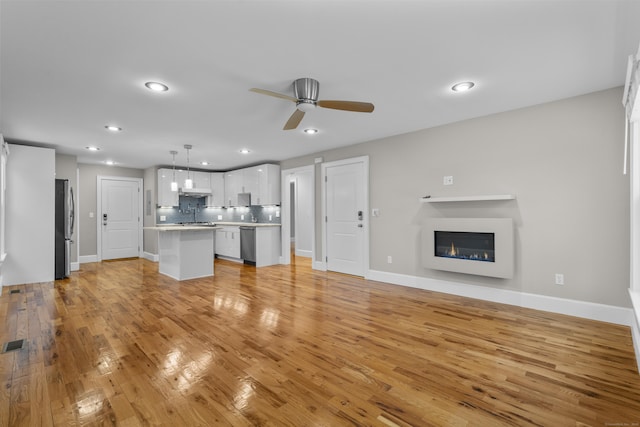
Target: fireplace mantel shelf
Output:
[{"x": 493, "y": 197}]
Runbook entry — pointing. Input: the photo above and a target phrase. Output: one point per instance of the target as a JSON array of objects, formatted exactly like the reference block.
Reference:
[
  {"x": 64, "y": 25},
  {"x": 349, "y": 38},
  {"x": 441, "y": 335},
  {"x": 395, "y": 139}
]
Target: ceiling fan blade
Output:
[
  {"x": 274, "y": 94},
  {"x": 294, "y": 120},
  {"x": 360, "y": 107}
]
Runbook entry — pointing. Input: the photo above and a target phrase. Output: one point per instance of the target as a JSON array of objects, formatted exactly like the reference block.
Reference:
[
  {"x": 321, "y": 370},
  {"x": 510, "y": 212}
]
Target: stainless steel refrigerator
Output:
[{"x": 64, "y": 219}]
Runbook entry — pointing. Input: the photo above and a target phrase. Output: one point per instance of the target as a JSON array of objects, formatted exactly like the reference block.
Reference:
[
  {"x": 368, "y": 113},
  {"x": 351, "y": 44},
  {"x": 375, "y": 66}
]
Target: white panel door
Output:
[
  {"x": 345, "y": 210},
  {"x": 120, "y": 218}
]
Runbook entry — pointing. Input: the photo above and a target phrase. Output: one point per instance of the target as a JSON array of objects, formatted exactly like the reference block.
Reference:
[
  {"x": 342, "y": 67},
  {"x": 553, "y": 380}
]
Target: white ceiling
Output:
[{"x": 68, "y": 68}]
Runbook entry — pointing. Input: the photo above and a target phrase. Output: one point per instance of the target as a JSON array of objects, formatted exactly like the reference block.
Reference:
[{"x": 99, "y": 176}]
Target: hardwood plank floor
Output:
[{"x": 120, "y": 344}]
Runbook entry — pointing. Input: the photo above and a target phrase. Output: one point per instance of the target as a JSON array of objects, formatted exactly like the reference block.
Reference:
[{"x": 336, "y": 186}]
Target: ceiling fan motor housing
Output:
[{"x": 306, "y": 91}]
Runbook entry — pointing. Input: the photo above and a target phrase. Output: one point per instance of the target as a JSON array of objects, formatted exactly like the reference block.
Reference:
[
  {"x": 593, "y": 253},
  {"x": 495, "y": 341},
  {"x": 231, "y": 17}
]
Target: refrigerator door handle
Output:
[{"x": 72, "y": 211}]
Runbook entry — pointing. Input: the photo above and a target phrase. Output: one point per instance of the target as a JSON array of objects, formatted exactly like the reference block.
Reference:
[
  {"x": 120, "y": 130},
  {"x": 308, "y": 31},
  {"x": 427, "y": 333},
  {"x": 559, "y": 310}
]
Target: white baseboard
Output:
[
  {"x": 228, "y": 258},
  {"x": 150, "y": 256},
  {"x": 587, "y": 310},
  {"x": 318, "y": 265},
  {"x": 75, "y": 266},
  {"x": 304, "y": 253},
  {"x": 83, "y": 259},
  {"x": 635, "y": 334}
]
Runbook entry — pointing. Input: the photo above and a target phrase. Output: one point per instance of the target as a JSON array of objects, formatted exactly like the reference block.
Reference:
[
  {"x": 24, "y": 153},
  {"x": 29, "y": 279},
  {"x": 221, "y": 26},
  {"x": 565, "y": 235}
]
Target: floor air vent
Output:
[{"x": 12, "y": 345}]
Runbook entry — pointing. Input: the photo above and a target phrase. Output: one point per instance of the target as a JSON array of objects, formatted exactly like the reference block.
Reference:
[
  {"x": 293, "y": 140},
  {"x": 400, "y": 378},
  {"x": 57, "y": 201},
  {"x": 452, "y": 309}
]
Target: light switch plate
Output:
[
  {"x": 219, "y": 217},
  {"x": 277, "y": 214},
  {"x": 447, "y": 180},
  {"x": 163, "y": 217},
  {"x": 242, "y": 217}
]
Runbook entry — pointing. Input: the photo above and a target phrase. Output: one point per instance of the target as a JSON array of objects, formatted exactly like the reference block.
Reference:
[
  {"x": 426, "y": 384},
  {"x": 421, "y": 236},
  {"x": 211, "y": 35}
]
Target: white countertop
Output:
[
  {"x": 176, "y": 227},
  {"x": 249, "y": 224},
  {"x": 214, "y": 226}
]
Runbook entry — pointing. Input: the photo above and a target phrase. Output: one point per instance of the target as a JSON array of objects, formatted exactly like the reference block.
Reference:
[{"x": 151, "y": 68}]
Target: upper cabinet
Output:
[
  {"x": 166, "y": 197},
  {"x": 217, "y": 190},
  {"x": 263, "y": 182},
  {"x": 268, "y": 185},
  {"x": 201, "y": 180},
  {"x": 232, "y": 186}
]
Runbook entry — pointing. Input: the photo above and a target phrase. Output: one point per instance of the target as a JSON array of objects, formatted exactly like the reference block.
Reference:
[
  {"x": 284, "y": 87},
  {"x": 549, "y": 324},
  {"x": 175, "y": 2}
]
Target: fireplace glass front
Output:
[{"x": 465, "y": 245}]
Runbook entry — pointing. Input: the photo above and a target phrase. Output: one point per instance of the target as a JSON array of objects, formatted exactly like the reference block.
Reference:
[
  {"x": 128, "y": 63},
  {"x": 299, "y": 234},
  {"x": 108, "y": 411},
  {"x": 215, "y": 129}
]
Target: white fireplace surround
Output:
[{"x": 502, "y": 228}]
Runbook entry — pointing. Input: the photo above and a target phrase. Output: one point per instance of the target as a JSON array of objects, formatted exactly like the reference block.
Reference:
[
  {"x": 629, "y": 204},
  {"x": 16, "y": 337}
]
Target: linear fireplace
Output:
[{"x": 482, "y": 246}]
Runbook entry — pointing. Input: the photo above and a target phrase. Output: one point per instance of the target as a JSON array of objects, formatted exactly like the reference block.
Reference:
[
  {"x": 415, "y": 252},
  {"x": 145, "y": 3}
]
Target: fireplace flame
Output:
[{"x": 453, "y": 251}]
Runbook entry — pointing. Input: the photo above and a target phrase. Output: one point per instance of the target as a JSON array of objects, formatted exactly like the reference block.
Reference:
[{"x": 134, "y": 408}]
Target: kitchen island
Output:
[{"x": 185, "y": 252}]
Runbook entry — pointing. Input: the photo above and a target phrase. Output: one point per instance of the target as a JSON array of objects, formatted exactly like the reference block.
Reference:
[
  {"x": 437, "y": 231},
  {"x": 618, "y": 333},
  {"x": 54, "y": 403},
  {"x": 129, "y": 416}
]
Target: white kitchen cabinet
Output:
[
  {"x": 166, "y": 197},
  {"x": 263, "y": 182},
  {"x": 228, "y": 242},
  {"x": 232, "y": 186},
  {"x": 268, "y": 185},
  {"x": 267, "y": 246},
  {"x": 201, "y": 179},
  {"x": 250, "y": 182},
  {"x": 217, "y": 190}
]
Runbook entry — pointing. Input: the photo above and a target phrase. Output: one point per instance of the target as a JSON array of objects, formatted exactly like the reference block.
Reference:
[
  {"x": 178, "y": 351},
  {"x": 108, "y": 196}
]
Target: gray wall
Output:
[
  {"x": 563, "y": 161},
  {"x": 88, "y": 201},
  {"x": 67, "y": 168},
  {"x": 150, "y": 237}
]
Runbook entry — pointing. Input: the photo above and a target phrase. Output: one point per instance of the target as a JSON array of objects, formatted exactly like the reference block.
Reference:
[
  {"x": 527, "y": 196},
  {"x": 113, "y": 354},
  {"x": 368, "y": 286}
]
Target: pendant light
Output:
[
  {"x": 188, "y": 183},
  {"x": 174, "y": 183}
]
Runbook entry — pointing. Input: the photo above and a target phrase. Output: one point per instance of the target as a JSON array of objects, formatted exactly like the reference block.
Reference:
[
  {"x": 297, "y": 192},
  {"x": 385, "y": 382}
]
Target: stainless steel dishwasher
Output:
[{"x": 248, "y": 245}]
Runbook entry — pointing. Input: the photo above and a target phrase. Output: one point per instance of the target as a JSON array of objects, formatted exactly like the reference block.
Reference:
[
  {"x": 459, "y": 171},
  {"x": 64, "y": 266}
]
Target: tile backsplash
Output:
[{"x": 192, "y": 209}]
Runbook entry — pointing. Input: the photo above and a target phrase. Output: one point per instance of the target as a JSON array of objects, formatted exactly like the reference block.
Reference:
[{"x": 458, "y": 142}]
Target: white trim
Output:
[
  {"x": 318, "y": 265},
  {"x": 285, "y": 211},
  {"x": 494, "y": 197},
  {"x": 150, "y": 256},
  {"x": 83, "y": 259},
  {"x": 75, "y": 266},
  {"x": 635, "y": 334},
  {"x": 140, "y": 183},
  {"x": 305, "y": 254},
  {"x": 365, "y": 250},
  {"x": 587, "y": 310}
]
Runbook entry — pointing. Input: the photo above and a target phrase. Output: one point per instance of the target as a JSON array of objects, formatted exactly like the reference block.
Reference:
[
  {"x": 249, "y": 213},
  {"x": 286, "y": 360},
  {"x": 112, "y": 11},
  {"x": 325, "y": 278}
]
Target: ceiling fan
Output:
[{"x": 305, "y": 95}]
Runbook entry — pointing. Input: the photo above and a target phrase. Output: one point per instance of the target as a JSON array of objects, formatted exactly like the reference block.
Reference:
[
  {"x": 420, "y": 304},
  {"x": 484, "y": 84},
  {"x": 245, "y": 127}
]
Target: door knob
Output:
[{"x": 360, "y": 215}]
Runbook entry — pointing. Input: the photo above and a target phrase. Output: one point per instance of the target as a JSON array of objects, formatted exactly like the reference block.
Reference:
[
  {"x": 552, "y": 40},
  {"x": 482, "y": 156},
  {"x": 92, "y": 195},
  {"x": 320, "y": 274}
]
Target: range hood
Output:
[{"x": 195, "y": 192}]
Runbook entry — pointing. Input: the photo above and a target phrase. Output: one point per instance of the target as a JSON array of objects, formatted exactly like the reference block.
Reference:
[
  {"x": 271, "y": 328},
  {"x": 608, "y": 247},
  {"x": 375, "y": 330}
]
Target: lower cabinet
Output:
[{"x": 228, "y": 242}]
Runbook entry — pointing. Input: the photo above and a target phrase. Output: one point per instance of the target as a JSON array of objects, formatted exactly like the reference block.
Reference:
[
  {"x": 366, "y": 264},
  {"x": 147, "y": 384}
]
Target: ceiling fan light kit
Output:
[{"x": 305, "y": 91}]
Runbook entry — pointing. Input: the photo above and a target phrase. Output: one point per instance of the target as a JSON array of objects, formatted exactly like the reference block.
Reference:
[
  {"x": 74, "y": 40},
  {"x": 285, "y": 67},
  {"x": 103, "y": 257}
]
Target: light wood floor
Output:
[{"x": 119, "y": 344}]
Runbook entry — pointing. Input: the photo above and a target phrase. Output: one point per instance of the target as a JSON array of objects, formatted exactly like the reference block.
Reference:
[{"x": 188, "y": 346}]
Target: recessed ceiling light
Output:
[
  {"x": 310, "y": 131},
  {"x": 244, "y": 151},
  {"x": 462, "y": 86},
  {"x": 113, "y": 128},
  {"x": 157, "y": 87},
  {"x": 110, "y": 162},
  {"x": 92, "y": 148},
  {"x": 205, "y": 163}
]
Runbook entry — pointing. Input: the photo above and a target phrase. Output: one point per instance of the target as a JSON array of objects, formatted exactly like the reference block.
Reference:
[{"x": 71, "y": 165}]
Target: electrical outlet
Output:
[
  {"x": 277, "y": 214},
  {"x": 559, "y": 279},
  {"x": 219, "y": 217},
  {"x": 389, "y": 259},
  {"x": 163, "y": 218},
  {"x": 447, "y": 180},
  {"x": 242, "y": 217},
  {"x": 375, "y": 212},
  {"x": 270, "y": 217},
  {"x": 91, "y": 214}
]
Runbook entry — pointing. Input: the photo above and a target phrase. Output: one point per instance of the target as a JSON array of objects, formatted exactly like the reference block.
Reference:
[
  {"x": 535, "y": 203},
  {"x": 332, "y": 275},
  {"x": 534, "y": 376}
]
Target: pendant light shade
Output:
[
  {"x": 188, "y": 183},
  {"x": 174, "y": 183}
]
